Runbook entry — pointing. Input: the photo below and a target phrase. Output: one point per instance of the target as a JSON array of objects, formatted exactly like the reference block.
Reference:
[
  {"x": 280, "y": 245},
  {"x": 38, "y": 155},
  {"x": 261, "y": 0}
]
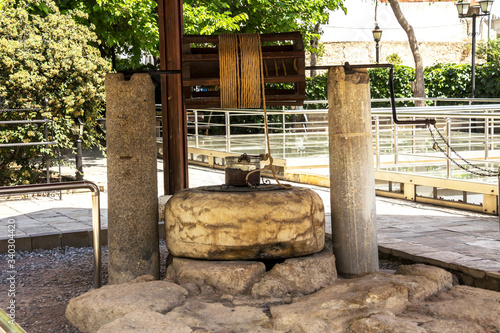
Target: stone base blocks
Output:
[{"x": 300, "y": 295}]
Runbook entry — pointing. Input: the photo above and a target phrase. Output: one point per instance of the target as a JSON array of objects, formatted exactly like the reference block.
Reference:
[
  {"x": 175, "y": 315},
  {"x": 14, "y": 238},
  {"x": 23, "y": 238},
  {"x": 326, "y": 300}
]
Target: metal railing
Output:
[
  {"x": 401, "y": 152},
  {"x": 96, "y": 216},
  {"x": 46, "y": 142},
  {"x": 473, "y": 130}
]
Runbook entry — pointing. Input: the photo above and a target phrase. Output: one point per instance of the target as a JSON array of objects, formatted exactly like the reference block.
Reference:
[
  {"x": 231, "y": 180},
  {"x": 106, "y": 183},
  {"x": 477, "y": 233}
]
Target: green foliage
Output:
[
  {"x": 489, "y": 50},
  {"x": 488, "y": 80},
  {"x": 122, "y": 26},
  {"x": 379, "y": 84},
  {"x": 316, "y": 90},
  {"x": 46, "y": 55},
  {"x": 263, "y": 16},
  {"x": 394, "y": 59},
  {"x": 442, "y": 80},
  {"x": 448, "y": 80}
]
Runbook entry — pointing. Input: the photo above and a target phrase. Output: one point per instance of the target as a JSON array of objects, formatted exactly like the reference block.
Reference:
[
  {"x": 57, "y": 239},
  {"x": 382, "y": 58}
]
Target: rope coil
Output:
[{"x": 242, "y": 79}]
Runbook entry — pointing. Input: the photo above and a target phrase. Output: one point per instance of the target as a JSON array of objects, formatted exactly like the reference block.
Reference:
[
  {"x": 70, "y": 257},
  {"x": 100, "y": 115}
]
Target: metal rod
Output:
[
  {"x": 473, "y": 57},
  {"x": 348, "y": 66},
  {"x": 18, "y": 122},
  {"x": 448, "y": 137},
  {"x": 486, "y": 138},
  {"x": 96, "y": 216},
  {"x": 79, "y": 159}
]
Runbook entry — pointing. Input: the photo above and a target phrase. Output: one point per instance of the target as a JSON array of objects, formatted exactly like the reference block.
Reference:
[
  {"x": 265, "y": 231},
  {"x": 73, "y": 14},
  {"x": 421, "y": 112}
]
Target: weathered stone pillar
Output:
[
  {"x": 352, "y": 179},
  {"x": 132, "y": 178}
]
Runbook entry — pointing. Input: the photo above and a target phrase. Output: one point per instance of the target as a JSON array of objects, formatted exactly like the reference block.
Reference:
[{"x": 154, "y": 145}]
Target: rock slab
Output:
[
  {"x": 98, "y": 307},
  {"x": 145, "y": 321},
  {"x": 215, "y": 317},
  {"x": 227, "y": 277},
  {"x": 303, "y": 275}
]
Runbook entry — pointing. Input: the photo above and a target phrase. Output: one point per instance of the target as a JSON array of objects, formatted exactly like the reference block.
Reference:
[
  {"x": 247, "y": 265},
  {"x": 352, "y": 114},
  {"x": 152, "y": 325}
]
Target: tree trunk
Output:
[
  {"x": 314, "y": 45},
  {"x": 419, "y": 90}
]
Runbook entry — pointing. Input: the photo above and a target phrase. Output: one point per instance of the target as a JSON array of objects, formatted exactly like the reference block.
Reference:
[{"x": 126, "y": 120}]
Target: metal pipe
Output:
[
  {"x": 448, "y": 137},
  {"x": 96, "y": 216},
  {"x": 348, "y": 66},
  {"x": 79, "y": 159},
  {"x": 377, "y": 142},
  {"x": 486, "y": 138},
  {"x": 473, "y": 57}
]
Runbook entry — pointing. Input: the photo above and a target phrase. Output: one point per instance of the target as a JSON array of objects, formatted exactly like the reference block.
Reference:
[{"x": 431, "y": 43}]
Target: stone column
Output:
[
  {"x": 132, "y": 178},
  {"x": 352, "y": 179}
]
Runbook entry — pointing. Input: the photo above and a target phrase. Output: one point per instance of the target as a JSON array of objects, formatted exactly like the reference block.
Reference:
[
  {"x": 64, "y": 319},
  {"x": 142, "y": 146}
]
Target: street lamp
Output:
[
  {"x": 77, "y": 130},
  {"x": 377, "y": 35},
  {"x": 466, "y": 10}
]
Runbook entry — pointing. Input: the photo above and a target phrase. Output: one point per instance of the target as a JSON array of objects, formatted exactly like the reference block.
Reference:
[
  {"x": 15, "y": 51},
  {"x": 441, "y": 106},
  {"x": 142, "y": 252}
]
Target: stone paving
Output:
[{"x": 464, "y": 242}]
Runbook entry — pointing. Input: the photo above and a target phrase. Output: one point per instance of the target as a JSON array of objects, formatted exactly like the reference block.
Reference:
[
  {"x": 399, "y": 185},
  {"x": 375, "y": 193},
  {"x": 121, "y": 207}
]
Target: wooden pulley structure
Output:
[{"x": 220, "y": 71}]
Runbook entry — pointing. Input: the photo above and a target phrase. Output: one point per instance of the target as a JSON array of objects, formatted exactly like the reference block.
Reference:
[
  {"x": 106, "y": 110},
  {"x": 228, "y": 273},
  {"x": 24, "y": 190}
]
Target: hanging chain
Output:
[{"x": 436, "y": 146}]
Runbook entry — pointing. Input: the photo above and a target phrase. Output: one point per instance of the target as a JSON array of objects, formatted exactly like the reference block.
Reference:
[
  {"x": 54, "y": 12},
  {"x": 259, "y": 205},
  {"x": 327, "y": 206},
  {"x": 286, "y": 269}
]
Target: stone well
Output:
[{"x": 234, "y": 223}]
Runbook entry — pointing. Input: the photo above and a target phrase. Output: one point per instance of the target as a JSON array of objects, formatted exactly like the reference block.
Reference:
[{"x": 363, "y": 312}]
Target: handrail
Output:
[{"x": 96, "y": 216}]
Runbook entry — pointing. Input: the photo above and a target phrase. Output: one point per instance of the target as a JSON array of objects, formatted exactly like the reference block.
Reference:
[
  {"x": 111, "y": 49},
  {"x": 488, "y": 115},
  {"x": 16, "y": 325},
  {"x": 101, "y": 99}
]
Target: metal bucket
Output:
[{"x": 238, "y": 167}]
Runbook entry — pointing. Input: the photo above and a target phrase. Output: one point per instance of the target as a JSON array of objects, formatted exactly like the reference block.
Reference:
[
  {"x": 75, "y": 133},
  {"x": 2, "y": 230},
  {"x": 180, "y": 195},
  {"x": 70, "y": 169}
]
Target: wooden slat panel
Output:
[
  {"x": 216, "y": 81},
  {"x": 265, "y": 55}
]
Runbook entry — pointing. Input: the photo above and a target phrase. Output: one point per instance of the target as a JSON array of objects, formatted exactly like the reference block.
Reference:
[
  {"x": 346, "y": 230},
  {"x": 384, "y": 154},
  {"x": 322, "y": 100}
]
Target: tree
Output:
[
  {"x": 419, "y": 90},
  {"x": 489, "y": 50},
  {"x": 122, "y": 26},
  {"x": 46, "y": 55},
  {"x": 263, "y": 16}
]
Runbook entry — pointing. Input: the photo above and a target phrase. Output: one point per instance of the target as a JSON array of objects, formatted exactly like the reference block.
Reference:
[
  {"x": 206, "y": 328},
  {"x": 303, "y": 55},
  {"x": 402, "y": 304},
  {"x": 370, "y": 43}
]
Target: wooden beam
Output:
[{"x": 173, "y": 110}]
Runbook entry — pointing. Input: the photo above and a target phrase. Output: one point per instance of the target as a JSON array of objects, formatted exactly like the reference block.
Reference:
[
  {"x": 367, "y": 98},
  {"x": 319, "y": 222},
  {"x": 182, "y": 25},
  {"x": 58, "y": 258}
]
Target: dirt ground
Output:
[{"x": 47, "y": 279}]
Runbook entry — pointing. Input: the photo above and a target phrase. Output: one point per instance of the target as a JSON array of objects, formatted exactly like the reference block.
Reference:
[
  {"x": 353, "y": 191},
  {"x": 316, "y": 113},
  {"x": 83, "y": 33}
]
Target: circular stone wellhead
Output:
[{"x": 218, "y": 225}]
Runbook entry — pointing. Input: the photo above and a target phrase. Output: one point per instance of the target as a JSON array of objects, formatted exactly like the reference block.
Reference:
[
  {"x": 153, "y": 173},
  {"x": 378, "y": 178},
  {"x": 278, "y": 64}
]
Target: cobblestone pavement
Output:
[{"x": 465, "y": 242}]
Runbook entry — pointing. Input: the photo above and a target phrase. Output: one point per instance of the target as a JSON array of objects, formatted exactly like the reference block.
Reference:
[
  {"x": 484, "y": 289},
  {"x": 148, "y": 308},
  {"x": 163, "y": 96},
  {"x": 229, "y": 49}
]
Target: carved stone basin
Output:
[{"x": 231, "y": 223}]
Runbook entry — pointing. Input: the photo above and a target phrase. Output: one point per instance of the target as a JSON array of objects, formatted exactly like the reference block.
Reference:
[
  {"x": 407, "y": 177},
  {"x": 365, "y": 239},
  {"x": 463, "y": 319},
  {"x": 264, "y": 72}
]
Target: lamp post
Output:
[
  {"x": 377, "y": 35},
  {"x": 465, "y": 10},
  {"x": 77, "y": 130}
]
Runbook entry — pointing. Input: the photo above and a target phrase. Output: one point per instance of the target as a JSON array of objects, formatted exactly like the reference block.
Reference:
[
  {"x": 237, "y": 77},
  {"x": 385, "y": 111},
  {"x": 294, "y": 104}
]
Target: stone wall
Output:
[{"x": 364, "y": 52}]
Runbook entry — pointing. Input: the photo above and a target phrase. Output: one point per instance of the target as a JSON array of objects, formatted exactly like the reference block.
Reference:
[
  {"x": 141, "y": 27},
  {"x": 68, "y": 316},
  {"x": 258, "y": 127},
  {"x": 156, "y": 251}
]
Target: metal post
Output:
[
  {"x": 473, "y": 60},
  {"x": 79, "y": 159},
  {"x": 486, "y": 137},
  {"x": 396, "y": 146},
  {"x": 377, "y": 142},
  {"x": 448, "y": 137},
  {"x": 377, "y": 52},
  {"x": 96, "y": 239},
  {"x": 228, "y": 131},
  {"x": 47, "y": 159},
  {"x": 284, "y": 135},
  {"x": 196, "y": 138}
]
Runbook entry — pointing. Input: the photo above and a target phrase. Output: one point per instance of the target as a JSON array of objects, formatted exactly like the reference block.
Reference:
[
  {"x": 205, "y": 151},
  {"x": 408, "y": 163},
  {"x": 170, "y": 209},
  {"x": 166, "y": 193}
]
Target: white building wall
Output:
[{"x": 432, "y": 22}]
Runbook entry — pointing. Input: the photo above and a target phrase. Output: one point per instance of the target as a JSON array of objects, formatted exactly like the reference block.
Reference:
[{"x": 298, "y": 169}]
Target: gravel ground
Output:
[{"x": 46, "y": 280}]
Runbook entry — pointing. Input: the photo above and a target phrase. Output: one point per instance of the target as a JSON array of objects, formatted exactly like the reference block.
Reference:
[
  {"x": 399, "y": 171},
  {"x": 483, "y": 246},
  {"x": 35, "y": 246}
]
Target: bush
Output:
[
  {"x": 316, "y": 90},
  {"x": 46, "y": 55},
  {"x": 488, "y": 80},
  {"x": 379, "y": 84},
  {"x": 489, "y": 50},
  {"x": 448, "y": 80}
]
